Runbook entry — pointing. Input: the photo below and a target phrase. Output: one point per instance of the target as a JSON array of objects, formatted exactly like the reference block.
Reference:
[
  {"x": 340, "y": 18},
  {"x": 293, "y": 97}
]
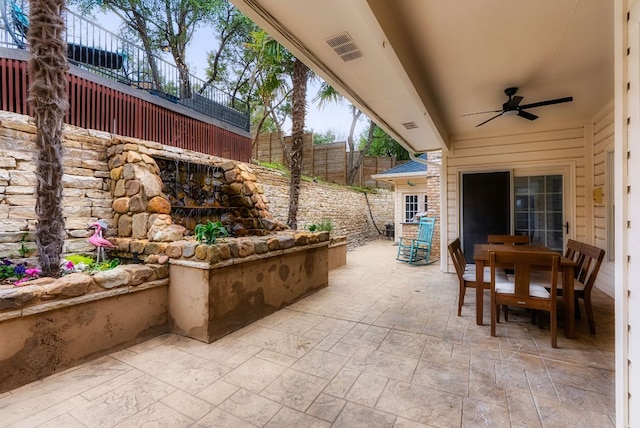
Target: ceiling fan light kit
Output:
[{"x": 512, "y": 107}]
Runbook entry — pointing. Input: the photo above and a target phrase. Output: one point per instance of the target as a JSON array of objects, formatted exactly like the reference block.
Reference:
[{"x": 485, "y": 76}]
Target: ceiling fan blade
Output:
[
  {"x": 481, "y": 112},
  {"x": 513, "y": 102},
  {"x": 527, "y": 115},
  {"x": 490, "y": 119},
  {"x": 548, "y": 102}
]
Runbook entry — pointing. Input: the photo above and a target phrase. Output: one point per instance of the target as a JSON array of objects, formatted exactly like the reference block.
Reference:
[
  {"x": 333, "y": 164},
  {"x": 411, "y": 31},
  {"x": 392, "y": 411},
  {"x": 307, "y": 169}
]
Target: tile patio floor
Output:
[{"x": 381, "y": 347}]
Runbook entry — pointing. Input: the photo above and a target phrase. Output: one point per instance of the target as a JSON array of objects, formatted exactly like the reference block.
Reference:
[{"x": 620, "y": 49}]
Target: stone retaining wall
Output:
[
  {"x": 89, "y": 181},
  {"x": 86, "y": 196},
  {"x": 347, "y": 207}
]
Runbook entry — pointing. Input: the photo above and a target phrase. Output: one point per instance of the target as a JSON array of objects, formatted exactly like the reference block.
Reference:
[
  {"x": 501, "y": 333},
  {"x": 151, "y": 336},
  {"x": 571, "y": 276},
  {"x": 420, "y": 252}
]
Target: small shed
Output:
[{"x": 417, "y": 193}]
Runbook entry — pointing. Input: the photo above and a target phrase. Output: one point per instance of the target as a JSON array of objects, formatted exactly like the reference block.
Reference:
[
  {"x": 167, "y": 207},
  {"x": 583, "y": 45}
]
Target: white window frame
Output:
[
  {"x": 421, "y": 204},
  {"x": 568, "y": 196}
]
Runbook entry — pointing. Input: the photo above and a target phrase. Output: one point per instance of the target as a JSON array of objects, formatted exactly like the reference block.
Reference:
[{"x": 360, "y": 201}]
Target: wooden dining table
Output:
[{"x": 481, "y": 259}]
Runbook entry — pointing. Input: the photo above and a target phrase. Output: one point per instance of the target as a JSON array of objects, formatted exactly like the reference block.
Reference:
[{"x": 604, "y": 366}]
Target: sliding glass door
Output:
[{"x": 538, "y": 209}]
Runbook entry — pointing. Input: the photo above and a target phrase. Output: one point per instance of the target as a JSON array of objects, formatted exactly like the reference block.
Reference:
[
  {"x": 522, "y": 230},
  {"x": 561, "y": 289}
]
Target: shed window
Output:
[
  {"x": 410, "y": 207},
  {"x": 415, "y": 206}
]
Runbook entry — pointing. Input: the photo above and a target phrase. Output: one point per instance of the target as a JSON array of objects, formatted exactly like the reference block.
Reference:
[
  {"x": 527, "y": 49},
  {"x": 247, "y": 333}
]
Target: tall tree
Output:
[
  {"x": 381, "y": 144},
  {"x": 275, "y": 66},
  {"x": 298, "y": 114},
  {"x": 326, "y": 137},
  {"x": 49, "y": 102},
  {"x": 230, "y": 64},
  {"x": 169, "y": 24},
  {"x": 134, "y": 14}
]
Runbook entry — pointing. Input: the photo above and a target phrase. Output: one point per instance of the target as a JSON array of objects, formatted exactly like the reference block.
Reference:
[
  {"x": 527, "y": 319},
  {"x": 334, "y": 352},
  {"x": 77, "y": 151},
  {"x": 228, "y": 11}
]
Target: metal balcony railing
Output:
[{"x": 106, "y": 54}]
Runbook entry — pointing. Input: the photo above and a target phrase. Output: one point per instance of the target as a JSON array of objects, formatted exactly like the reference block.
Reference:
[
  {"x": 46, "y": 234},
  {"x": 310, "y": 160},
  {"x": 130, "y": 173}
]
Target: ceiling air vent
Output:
[
  {"x": 344, "y": 47},
  {"x": 409, "y": 125}
]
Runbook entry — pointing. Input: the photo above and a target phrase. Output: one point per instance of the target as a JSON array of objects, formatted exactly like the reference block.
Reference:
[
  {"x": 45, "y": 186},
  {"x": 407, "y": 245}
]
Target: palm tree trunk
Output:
[
  {"x": 49, "y": 103},
  {"x": 298, "y": 113}
]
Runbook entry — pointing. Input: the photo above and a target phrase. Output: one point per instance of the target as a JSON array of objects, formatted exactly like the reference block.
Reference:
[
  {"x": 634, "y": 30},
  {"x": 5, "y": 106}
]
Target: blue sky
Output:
[{"x": 335, "y": 117}]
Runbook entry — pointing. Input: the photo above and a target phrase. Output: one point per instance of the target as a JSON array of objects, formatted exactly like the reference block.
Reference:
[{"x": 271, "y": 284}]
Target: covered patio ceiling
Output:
[{"x": 417, "y": 66}]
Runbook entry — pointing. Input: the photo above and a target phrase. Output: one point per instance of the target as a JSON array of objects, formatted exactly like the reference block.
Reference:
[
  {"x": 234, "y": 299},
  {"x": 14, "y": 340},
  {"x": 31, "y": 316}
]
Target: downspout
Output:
[{"x": 427, "y": 162}]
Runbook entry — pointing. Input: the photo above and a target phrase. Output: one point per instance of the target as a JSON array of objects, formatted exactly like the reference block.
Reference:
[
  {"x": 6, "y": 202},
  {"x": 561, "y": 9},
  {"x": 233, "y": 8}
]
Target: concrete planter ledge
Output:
[
  {"x": 234, "y": 249},
  {"x": 60, "y": 304},
  {"x": 41, "y": 337},
  {"x": 49, "y": 292},
  {"x": 200, "y": 291},
  {"x": 210, "y": 300}
]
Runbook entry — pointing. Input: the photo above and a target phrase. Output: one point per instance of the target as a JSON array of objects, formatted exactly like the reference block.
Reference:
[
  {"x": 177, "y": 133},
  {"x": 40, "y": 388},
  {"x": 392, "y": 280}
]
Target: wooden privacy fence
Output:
[
  {"x": 103, "y": 108},
  {"x": 326, "y": 161}
]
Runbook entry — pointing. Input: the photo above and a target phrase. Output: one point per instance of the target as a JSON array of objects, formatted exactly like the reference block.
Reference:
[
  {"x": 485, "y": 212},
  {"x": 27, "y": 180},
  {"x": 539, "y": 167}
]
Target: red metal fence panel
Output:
[{"x": 95, "y": 106}]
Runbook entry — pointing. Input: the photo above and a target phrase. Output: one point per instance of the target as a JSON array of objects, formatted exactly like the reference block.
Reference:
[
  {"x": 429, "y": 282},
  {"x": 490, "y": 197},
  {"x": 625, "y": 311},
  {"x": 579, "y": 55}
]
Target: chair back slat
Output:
[
  {"x": 588, "y": 269},
  {"x": 523, "y": 262},
  {"x": 574, "y": 254},
  {"x": 425, "y": 229},
  {"x": 455, "y": 251},
  {"x": 525, "y": 293}
]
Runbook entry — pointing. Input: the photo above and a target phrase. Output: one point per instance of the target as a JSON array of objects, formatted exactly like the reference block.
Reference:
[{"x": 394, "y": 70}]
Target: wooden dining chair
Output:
[
  {"x": 588, "y": 259},
  {"x": 572, "y": 252},
  {"x": 508, "y": 239},
  {"x": 522, "y": 291},
  {"x": 466, "y": 276},
  {"x": 467, "y": 272}
]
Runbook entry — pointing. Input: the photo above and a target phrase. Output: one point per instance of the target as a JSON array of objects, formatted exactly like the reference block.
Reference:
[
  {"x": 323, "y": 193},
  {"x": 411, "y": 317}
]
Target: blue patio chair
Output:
[{"x": 419, "y": 248}]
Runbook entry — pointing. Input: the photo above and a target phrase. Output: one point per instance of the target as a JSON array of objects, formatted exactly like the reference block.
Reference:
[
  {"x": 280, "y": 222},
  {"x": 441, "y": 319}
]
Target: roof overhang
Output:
[
  {"x": 403, "y": 177},
  {"x": 417, "y": 67}
]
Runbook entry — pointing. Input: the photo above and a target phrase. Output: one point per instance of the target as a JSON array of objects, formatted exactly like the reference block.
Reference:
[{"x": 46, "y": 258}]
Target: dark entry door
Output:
[{"x": 486, "y": 208}]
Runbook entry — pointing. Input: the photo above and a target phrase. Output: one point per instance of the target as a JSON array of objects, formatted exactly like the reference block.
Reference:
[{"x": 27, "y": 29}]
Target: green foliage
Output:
[
  {"x": 18, "y": 273},
  {"x": 76, "y": 259},
  {"x": 160, "y": 23},
  {"x": 105, "y": 265},
  {"x": 272, "y": 165},
  {"x": 327, "y": 95},
  {"x": 324, "y": 225},
  {"x": 328, "y": 136},
  {"x": 383, "y": 145},
  {"x": 24, "y": 250},
  {"x": 229, "y": 66},
  {"x": 9, "y": 269},
  {"x": 210, "y": 232}
]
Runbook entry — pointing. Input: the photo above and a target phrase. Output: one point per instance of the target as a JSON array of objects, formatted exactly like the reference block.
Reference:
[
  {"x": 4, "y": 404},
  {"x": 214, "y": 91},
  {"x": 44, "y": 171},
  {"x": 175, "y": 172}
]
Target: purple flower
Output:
[
  {"x": 7, "y": 262},
  {"x": 20, "y": 269}
]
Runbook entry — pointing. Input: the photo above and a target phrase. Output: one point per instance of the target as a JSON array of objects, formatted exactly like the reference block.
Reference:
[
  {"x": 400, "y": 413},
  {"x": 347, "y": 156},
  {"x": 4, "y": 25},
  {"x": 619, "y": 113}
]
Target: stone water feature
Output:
[
  {"x": 214, "y": 288},
  {"x": 198, "y": 193}
]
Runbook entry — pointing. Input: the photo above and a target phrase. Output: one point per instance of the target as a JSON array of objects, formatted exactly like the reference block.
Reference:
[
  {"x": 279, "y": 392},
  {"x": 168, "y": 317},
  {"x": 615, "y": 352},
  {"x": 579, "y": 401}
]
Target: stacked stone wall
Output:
[
  {"x": 92, "y": 176},
  {"x": 347, "y": 207},
  {"x": 86, "y": 196}
]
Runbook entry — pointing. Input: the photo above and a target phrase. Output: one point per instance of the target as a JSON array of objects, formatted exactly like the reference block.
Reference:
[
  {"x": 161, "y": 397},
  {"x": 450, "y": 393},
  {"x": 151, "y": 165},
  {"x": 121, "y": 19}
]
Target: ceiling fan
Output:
[{"x": 513, "y": 107}]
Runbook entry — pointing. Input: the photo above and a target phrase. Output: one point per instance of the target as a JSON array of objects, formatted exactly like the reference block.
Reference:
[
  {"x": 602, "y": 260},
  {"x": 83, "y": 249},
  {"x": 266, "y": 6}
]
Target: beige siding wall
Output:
[
  {"x": 558, "y": 149},
  {"x": 603, "y": 142}
]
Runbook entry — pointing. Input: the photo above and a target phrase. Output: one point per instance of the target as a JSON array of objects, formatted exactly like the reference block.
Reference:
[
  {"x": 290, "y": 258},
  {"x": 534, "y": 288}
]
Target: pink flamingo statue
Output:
[{"x": 97, "y": 240}]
